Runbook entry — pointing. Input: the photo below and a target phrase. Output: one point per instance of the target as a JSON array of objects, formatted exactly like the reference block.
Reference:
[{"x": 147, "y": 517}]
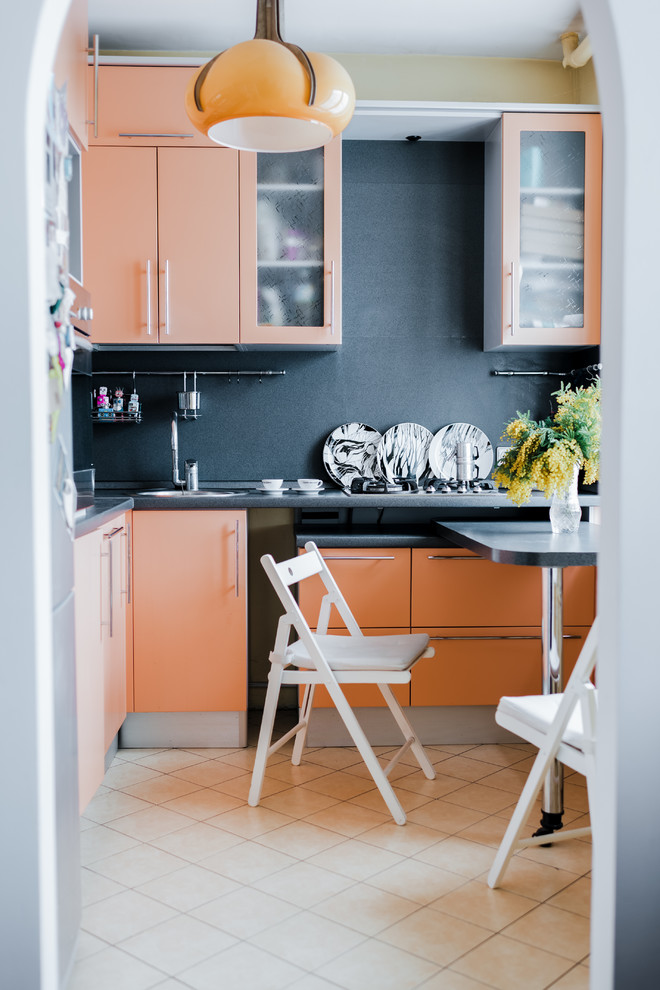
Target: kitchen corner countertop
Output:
[
  {"x": 103, "y": 510},
  {"x": 522, "y": 542}
]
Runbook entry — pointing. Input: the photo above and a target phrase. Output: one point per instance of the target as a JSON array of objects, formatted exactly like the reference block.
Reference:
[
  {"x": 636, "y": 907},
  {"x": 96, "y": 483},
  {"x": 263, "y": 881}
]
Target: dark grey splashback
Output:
[{"x": 412, "y": 330}]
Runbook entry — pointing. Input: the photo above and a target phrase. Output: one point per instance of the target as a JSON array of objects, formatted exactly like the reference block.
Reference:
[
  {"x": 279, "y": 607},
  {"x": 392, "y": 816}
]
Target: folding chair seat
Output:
[
  {"x": 563, "y": 727},
  {"x": 330, "y": 660}
]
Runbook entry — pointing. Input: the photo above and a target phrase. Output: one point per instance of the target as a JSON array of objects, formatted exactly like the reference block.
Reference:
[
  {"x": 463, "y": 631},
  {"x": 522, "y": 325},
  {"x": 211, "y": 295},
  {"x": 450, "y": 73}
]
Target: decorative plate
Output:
[
  {"x": 442, "y": 452},
  {"x": 350, "y": 452},
  {"x": 403, "y": 451}
]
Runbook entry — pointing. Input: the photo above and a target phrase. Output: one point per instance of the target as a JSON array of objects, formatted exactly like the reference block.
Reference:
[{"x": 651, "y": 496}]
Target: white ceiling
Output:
[{"x": 495, "y": 28}]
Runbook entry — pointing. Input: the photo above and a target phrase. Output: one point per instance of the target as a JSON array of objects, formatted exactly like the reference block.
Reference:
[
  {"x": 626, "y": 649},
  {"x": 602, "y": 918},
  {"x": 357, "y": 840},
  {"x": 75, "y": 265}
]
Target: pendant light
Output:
[{"x": 268, "y": 95}]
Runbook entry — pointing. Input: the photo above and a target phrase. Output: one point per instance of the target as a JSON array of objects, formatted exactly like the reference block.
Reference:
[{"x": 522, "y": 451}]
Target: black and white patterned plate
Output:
[
  {"x": 350, "y": 452},
  {"x": 403, "y": 451},
  {"x": 442, "y": 451}
]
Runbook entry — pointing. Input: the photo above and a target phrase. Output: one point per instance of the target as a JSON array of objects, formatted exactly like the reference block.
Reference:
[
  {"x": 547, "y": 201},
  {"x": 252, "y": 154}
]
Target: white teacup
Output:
[
  {"x": 309, "y": 484},
  {"x": 272, "y": 484}
]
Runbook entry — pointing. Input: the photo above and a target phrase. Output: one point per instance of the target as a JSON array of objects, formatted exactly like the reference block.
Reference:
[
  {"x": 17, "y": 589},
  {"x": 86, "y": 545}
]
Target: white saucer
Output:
[
  {"x": 270, "y": 491},
  {"x": 307, "y": 491}
]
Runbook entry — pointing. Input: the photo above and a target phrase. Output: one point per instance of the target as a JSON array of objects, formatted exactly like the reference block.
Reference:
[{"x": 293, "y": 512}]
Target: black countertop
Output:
[{"x": 522, "y": 542}]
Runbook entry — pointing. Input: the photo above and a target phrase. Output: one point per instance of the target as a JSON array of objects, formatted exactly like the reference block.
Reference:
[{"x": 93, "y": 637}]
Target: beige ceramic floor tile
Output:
[
  {"x": 188, "y": 888},
  {"x": 293, "y": 775},
  {"x": 366, "y": 909},
  {"x": 468, "y": 859},
  {"x": 241, "y": 967},
  {"x": 249, "y": 822},
  {"x": 123, "y": 774},
  {"x": 466, "y": 768},
  {"x": 575, "y": 797},
  {"x": 437, "y": 937},
  {"x": 247, "y": 862},
  {"x": 178, "y": 944},
  {"x": 98, "y": 842},
  {"x": 489, "y": 831},
  {"x": 96, "y": 888},
  {"x": 406, "y": 840},
  {"x": 452, "y": 749},
  {"x": 168, "y": 760},
  {"x": 197, "y": 841},
  {"x": 108, "y": 805},
  {"x": 339, "y": 785},
  {"x": 448, "y": 979},
  {"x": 442, "y": 784},
  {"x": 245, "y": 758},
  {"x": 245, "y": 912},
  {"x": 297, "y": 802},
  {"x": 334, "y": 757},
  {"x": 373, "y": 799},
  {"x": 547, "y": 927},
  {"x": 151, "y": 823},
  {"x": 209, "y": 773},
  {"x": 240, "y": 786},
  {"x": 476, "y": 902},
  {"x": 511, "y": 779},
  {"x": 502, "y": 756},
  {"x": 138, "y": 865},
  {"x": 137, "y": 754},
  {"x": 160, "y": 789},
  {"x": 576, "y": 979},
  {"x": 87, "y": 945},
  {"x": 303, "y": 884},
  {"x": 576, "y": 898},
  {"x": 445, "y": 817},
  {"x": 375, "y": 964},
  {"x": 398, "y": 773},
  {"x": 111, "y": 969},
  {"x": 123, "y": 915},
  {"x": 480, "y": 797},
  {"x": 503, "y": 963},
  {"x": 356, "y": 860},
  {"x": 300, "y": 839},
  {"x": 214, "y": 753},
  {"x": 312, "y": 982},
  {"x": 417, "y": 881},
  {"x": 316, "y": 941},
  {"x": 571, "y": 855},
  {"x": 533, "y": 879},
  {"x": 348, "y": 819},
  {"x": 202, "y": 804}
]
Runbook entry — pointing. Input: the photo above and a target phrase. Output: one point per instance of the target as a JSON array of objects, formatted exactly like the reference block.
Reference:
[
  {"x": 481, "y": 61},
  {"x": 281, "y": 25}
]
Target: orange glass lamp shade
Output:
[{"x": 267, "y": 95}]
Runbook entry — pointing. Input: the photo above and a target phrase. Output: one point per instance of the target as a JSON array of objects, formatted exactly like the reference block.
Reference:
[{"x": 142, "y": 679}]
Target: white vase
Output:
[{"x": 565, "y": 511}]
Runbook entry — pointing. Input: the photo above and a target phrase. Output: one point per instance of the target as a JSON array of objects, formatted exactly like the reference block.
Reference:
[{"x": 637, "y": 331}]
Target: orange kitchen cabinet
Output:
[
  {"x": 290, "y": 247},
  {"x": 160, "y": 228},
  {"x": 454, "y": 587},
  {"x": 89, "y": 665},
  {"x": 70, "y": 68},
  {"x": 542, "y": 227},
  {"x": 142, "y": 105},
  {"x": 190, "y": 611},
  {"x": 477, "y": 666},
  {"x": 113, "y": 624}
]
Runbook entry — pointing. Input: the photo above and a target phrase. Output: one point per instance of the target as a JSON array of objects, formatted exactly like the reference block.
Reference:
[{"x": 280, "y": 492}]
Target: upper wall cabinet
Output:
[
  {"x": 542, "y": 270},
  {"x": 71, "y": 68},
  {"x": 142, "y": 105},
  {"x": 161, "y": 244},
  {"x": 290, "y": 236}
]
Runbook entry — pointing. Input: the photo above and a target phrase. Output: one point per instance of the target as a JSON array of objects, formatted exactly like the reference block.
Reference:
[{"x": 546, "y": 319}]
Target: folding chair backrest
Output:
[{"x": 579, "y": 690}]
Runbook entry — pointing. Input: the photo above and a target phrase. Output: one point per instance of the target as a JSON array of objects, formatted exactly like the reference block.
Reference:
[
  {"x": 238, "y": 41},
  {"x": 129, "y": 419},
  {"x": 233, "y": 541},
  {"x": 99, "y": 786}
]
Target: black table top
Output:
[{"x": 521, "y": 542}]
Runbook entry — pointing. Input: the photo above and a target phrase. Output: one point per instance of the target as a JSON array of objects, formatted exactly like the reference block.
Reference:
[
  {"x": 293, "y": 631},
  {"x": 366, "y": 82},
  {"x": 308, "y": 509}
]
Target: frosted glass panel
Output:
[
  {"x": 290, "y": 239},
  {"x": 552, "y": 181}
]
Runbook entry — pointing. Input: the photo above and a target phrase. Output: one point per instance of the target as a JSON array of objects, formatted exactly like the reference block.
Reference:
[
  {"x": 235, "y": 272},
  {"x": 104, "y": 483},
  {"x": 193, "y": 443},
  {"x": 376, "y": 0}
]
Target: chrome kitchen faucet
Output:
[{"x": 191, "y": 480}]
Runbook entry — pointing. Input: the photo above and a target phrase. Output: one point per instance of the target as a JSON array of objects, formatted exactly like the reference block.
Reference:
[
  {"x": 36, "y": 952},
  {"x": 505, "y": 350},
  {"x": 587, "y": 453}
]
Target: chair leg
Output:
[
  {"x": 265, "y": 733},
  {"x": 520, "y": 815},
  {"x": 367, "y": 753},
  {"x": 305, "y": 715},
  {"x": 408, "y": 731}
]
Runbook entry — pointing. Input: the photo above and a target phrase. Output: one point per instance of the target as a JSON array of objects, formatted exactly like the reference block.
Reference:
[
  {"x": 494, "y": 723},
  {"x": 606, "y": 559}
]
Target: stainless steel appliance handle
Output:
[
  {"x": 95, "y": 52},
  {"x": 167, "y": 297},
  {"x": 236, "y": 570},
  {"x": 360, "y": 558},
  {"x": 149, "y": 297},
  {"x": 453, "y": 558}
]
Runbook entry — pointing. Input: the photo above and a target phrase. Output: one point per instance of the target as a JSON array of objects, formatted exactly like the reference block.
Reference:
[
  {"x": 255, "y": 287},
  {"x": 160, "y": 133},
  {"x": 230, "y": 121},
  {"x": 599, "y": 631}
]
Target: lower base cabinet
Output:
[{"x": 189, "y": 611}]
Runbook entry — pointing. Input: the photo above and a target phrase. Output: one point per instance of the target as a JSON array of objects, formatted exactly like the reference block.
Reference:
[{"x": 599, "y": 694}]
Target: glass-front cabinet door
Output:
[
  {"x": 550, "y": 259},
  {"x": 290, "y": 254}
]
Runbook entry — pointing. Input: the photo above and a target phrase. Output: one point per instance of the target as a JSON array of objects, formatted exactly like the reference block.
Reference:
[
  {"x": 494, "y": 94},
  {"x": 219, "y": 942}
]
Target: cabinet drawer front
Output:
[
  {"x": 579, "y": 595},
  {"x": 457, "y": 588},
  {"x": 477, "y": 667},
  {"x": 143, "y": 105},
  {"x": 374, "y": 582},
  {"x": 363, "y": 695}
]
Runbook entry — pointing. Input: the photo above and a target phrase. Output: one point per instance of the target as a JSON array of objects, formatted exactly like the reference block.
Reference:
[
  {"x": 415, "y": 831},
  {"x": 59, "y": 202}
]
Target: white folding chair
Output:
[
  {"x": 563, "y": 726},
  {"x": 319, "y": 658}
]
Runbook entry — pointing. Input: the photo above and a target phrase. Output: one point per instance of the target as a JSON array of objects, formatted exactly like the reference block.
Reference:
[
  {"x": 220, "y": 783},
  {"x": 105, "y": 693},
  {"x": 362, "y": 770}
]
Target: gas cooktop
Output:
[{"x": 411, "y": 486}]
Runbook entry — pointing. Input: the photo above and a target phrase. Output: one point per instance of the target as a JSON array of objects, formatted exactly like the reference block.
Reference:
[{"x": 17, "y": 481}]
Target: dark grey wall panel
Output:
[{"x": 412, "y": 319}]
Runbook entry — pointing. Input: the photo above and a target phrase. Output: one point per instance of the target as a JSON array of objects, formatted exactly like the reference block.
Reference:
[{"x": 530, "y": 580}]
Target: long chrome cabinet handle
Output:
[
  {"x": 95, "y": 52},
  {"x": 154, "y": 134},
  {"x": 167, "y": 297},
  {"x": 127, "y": 590},
  {"x": 440, "y": 557},
  {"x": 358, "y": 558},
  {"x": 332, "y": 298},
  {"x": 149, "y": 297},
  {"x": 237, "y": 538},
  {"x": 109, "y": 537},
  {"x": 566, "y": 636},
  {"x": 512, "y": 276}
]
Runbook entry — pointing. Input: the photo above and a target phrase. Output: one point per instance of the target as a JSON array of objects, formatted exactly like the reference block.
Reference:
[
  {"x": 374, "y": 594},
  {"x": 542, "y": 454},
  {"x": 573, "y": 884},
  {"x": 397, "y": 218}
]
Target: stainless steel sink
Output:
[{"x": 177, "y": 493}]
